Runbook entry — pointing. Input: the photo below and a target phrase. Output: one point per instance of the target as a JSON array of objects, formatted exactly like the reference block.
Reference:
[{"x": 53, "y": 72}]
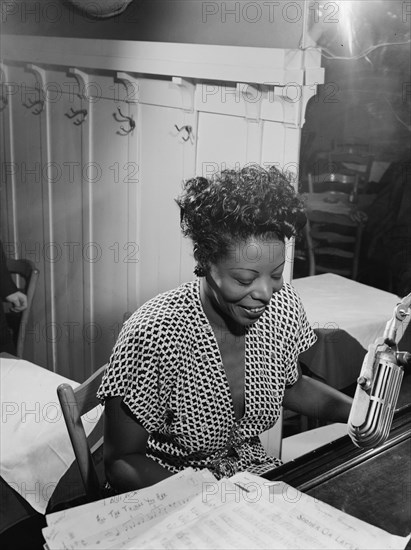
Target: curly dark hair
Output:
[{"x": 235, "y": 205}]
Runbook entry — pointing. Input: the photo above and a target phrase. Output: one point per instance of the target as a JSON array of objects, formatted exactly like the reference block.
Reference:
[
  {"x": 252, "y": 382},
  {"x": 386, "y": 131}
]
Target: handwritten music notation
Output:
[{"x": 192, "y": 510}]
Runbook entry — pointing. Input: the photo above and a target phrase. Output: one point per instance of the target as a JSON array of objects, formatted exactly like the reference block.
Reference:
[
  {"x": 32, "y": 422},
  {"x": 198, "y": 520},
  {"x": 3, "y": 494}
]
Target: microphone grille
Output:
[{"x": 383, "y": 397}]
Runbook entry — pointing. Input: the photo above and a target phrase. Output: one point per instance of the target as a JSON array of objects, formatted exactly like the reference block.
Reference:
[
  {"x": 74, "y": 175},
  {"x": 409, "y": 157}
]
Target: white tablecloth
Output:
[
  {"x": 332, "y": 301},
  {"x": 35, "y": 449},
  {"x": 347, "y": 317}
]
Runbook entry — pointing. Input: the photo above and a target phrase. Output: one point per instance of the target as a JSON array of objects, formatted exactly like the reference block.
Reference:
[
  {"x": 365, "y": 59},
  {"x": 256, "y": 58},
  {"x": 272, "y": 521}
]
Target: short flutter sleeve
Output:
[
  {"x": 306, "y": 337},
  {"x": 138, "y": 373},
  {"x": 293, "y": 329}
]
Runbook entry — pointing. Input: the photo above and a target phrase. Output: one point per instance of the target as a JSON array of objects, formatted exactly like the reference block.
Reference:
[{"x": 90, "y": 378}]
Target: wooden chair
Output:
[
  {"x": 352, "y": 163},
  {"x": 75, "y": 404},
  {"x": 328, "y": 237},
  {"x": 333, "y": 244},
  {"x": 25, "y": 275},
  {"x": 332, "y": 181},
  {"x": 302, "y": 443},
  {"x": 306, "y": 439}
]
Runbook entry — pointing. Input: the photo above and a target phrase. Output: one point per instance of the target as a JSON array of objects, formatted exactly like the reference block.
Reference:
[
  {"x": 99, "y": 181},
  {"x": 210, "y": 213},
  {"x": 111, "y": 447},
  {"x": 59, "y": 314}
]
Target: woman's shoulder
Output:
[
  {"x": 286, "y": 302},
  {"x": 288, "y": 294},
  {"x": 175, "y": 299},
  {"x": 165, "y": 308}
]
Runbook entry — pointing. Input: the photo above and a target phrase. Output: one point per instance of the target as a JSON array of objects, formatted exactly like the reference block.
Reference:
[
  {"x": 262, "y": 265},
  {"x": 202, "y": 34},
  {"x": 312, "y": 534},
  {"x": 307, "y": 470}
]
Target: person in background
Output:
[
  {"x": 199, "y": 372},
  {"x": 386, "y": 252},
  {"x": 17, "y": 299}
]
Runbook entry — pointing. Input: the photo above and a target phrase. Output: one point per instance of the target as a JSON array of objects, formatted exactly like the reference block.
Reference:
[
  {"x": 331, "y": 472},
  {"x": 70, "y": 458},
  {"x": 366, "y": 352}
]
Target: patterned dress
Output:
[{"x": 167, "y": 366}]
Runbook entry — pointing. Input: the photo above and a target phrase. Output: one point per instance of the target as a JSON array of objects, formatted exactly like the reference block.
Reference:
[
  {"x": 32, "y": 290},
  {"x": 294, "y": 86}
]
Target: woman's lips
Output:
[{"x": 254, "y": 311}]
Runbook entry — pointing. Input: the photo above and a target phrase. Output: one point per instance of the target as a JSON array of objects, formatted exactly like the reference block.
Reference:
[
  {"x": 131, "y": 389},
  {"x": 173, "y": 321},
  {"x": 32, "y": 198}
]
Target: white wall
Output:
[{"x": 87, "y": 191}]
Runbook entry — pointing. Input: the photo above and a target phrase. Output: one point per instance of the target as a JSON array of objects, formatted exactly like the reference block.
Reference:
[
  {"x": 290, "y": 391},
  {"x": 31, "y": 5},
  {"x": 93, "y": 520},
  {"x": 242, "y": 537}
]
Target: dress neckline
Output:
[{"x": 206, "y": 325}]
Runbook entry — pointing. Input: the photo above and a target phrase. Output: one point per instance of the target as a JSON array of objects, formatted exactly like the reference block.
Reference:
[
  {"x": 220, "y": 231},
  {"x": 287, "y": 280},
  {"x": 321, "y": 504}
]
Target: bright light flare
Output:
[{"x": 346, "y": 18}]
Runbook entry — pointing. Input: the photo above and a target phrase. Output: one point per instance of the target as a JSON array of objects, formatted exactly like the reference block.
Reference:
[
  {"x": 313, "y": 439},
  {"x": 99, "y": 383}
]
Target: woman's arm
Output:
[
  {"x": 317, "y": 400},
  {"x": 126, "y": 464}
]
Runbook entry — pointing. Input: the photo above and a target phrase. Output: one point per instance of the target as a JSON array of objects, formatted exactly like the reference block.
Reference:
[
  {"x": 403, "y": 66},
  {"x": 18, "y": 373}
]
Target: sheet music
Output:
[
  {"x": 339, "y": 529},
  {"x": 113, "y": 521},
  {"x": 215, "y": 495},
  {"x": 192, "y": 510},
  {"x": 239, "y": 525},
  {"x": 270, "y": 515}
]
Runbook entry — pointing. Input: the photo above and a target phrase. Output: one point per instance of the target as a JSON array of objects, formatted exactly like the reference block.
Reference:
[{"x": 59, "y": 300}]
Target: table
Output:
[
  {"x": 362, "y": 483},
  {"x": 347, "y": 316},
  {"x": 36, "y": 457}
]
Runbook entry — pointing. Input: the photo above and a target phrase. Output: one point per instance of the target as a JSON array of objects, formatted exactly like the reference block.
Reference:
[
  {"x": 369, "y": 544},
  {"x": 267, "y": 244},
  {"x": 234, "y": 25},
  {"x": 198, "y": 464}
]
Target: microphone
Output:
[{"x": 379, "y": 383}]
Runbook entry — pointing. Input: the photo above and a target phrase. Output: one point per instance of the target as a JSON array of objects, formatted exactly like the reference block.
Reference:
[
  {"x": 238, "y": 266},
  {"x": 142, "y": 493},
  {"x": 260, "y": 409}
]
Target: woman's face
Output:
[{"x": 241, "y": 285}]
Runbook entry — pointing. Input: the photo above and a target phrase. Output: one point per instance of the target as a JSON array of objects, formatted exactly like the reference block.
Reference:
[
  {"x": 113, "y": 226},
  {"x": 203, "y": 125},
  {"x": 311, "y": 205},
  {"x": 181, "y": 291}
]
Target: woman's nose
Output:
[{"x": 266, "y": 288}]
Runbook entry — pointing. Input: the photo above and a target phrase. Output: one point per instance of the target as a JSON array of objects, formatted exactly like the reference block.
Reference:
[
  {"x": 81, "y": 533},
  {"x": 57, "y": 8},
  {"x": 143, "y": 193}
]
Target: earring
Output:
[{"x": 199, "y": 271}]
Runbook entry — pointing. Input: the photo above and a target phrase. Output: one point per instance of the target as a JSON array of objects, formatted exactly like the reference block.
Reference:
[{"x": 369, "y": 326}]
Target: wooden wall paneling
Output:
[
  {"x": 175, "y": 92},
  {"x": 63, "y": 223},
  {"x": 167, "y": 157},
  {"x": 128, "y": 180},
  {"x": 131, "y": 251},
  {"x": 274, "y": 134},
  {"x": 242, "y": 137},
  {"x": 280, "y": 148},
  {"x": 252, "y": 101},
  {"x": 224, "y": 98},
  {"x": 5, "y": 185},
  {"x": 111, "y": 184},
  {"x": 129, "y": 86},
  {"x": 189, "y": 117},
  {"x": 25, "y": 193},
  {"x": 283, "y": 111},
  {"x": 222, "y": 143},
  {"x": 6, "y": 172}
]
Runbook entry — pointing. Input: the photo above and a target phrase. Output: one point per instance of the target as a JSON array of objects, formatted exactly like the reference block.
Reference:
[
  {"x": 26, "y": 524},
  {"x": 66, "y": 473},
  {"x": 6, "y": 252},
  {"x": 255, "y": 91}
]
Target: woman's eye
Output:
[{"x": 244, "y": 283}]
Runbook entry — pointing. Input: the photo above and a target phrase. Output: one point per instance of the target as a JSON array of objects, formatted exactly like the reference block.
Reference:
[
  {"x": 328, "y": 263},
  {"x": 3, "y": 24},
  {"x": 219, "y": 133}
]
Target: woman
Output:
[{"x": 200, "y": 371}]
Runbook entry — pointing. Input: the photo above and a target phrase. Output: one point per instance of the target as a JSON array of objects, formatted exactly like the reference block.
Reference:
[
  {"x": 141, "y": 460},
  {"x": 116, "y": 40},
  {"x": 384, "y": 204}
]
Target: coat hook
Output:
[
  {"x": 73, "y": 113},
  {"x": 30, "y": 103},
  {"x": 131, "y": 122},
  {"x": 187, "y": 129}
]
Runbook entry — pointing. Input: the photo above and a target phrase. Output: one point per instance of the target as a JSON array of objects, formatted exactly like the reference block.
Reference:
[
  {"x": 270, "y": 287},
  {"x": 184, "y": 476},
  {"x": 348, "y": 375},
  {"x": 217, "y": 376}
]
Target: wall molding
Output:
[{"x": 275, "y": 66}]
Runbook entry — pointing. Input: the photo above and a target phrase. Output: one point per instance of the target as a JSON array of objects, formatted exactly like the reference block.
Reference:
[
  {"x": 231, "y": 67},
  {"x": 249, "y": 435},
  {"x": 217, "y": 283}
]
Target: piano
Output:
[{"x": 373, "y": 485}]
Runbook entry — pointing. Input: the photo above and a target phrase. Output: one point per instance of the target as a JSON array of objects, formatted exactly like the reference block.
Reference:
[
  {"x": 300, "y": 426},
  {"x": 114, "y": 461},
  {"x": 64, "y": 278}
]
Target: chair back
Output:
[
  {"x": 332, "y": 181},
  {"x": 26, "y": 281},
  {"x": 333, "y": 244},
  {"x": 271, "y": 439},
  {"x": 75, "y": 404},
  {"x": 352, "y": 163}
]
